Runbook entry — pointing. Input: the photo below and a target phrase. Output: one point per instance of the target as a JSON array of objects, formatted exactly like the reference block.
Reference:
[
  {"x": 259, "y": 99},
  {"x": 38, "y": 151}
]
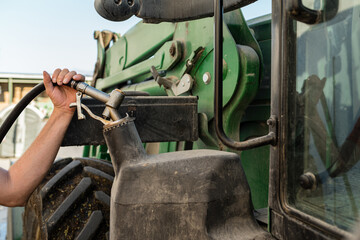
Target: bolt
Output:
[
  {"x": 117, "y": 1},
  {"x": 172, "y": 50},
  {"x": 207, "y": 78},
  {"x": 307, "y": 180},
  {"x": 270, "y": 122},
  {"x": 130, "y": 2},
  {"x": 189, "y": 63}
]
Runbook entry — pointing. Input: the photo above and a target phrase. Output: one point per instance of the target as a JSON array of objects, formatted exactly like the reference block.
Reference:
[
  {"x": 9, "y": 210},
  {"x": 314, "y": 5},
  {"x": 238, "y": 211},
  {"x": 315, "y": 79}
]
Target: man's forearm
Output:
[{"x": 23, "y": 177}]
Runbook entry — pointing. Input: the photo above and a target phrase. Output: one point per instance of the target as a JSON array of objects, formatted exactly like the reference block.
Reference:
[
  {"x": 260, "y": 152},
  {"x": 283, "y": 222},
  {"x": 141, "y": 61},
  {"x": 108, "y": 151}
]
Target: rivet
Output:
[{"x": 206, "y": 78}]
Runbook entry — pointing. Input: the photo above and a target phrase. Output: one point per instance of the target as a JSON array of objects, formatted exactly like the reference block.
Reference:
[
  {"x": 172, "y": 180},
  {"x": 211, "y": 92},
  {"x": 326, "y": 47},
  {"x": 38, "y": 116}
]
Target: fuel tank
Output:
[{"x": 196, "y": 194}]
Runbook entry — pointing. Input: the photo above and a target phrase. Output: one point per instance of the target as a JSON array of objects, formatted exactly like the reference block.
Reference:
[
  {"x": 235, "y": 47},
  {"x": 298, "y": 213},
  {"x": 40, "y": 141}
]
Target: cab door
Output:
[{"x": 315, "y": 169}]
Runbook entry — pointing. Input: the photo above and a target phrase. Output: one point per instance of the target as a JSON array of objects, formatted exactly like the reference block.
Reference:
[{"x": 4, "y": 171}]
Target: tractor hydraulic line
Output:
[{"x": 270, "y": 138}]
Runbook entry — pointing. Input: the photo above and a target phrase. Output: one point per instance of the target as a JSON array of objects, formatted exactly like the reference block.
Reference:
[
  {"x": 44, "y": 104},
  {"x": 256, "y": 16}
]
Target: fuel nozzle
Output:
[{"x": 112, "y": 101}]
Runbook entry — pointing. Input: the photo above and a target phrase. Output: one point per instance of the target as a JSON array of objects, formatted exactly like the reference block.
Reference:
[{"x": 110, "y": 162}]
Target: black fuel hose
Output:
[
  {"x": 20, "y": 106},
  {"x": 39, "y": 88}
]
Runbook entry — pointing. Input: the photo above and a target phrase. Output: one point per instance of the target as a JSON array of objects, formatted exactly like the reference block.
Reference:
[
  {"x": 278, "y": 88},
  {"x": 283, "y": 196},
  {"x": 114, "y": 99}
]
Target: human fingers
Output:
[
  {"x": 79, "y": 77},
  {"x": 47, "y": 81},
  {"x": 68, "y": 77},
  {"x": 60, "y": 78},
  {"x": 55, "y": 74}
]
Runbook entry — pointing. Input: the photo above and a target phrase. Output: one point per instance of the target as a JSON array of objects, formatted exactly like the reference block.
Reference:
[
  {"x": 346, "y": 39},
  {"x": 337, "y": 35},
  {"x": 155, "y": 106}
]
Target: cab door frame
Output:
[{"x": 287, "y": 222}]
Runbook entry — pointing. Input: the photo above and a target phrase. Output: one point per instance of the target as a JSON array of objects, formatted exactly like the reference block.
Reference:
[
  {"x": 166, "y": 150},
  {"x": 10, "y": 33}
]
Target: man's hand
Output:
[
  {"x": 64, "y": 95},
  {"x": 18, "y": 183}
]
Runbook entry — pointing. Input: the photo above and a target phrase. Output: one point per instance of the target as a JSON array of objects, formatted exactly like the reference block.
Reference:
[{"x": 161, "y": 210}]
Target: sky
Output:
[{"x": 44, "y": 35}]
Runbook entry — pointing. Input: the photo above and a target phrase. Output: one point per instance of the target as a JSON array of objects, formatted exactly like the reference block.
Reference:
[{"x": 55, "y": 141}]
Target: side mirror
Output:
[
  {"x": 117, "y": 10},
  {"x": 314, "y": 11},
  {"x": 162, "y": 10}
]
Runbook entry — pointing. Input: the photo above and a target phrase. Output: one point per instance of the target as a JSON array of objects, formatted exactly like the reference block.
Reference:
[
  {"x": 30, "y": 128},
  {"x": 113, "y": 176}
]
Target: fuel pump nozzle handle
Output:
[{"x": 112, "y": 100}]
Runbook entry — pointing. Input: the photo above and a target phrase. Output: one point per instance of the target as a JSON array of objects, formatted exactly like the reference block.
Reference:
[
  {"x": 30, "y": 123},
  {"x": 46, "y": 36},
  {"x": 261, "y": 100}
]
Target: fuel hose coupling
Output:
[{"x": 118, "y": 123}]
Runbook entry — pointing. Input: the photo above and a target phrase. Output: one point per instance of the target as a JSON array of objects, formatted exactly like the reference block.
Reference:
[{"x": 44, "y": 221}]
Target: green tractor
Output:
[{"x": 216, "y": 128}]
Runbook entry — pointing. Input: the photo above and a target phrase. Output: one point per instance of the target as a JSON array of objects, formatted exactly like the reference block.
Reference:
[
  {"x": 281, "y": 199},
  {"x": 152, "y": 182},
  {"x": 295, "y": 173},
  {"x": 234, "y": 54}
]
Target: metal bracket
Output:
[
  {"x": 299, "y": 12},
  {"x": 184, "y": 85},
  {"x": 195, "y": 56},
  {"x": 166, "y": 82},
  {"x": 272, "y": 122},
  {"x": 175, "y": 116}
]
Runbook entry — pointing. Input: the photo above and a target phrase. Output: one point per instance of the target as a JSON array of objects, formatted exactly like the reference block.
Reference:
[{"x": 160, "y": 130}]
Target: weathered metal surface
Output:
[
  {"x": 285, "y": 227},
  {"x": 286, "y": 221},
  {"x": 156, "y": 118},
  {"x": 197, "y": 194}
]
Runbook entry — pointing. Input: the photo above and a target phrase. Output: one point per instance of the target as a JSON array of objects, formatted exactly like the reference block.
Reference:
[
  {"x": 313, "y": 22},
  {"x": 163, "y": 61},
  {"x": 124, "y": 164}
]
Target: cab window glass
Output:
[{"x": 324, "y": 118}]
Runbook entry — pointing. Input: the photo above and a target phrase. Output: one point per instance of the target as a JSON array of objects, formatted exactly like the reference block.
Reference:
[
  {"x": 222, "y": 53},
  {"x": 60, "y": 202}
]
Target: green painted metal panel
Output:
[
  {"x": 116, "y": 57},
  {"x": 139, "y": 47},
  {"x": 151, "y": 87},
  {"x": 117, "y": 75},
  {"x": 129, "y": 60},
  {"x": 256, "y": 161},
  {"x": 261, "y": 27}
]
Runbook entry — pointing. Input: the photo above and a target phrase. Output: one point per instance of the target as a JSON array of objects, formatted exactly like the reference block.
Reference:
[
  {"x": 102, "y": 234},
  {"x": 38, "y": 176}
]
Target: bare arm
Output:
[{"x": 22, "y": 178}]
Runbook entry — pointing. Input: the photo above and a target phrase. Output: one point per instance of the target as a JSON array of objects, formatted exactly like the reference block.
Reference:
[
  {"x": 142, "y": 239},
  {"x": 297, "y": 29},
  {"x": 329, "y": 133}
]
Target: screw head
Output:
[
  {"x": 271, "y": 122},
  {"x": 206, "y": 78}
]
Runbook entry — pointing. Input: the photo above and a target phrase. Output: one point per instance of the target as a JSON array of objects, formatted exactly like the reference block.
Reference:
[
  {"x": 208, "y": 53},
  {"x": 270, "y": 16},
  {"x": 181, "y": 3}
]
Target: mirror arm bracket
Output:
[{"x": 270, "y": 138}]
